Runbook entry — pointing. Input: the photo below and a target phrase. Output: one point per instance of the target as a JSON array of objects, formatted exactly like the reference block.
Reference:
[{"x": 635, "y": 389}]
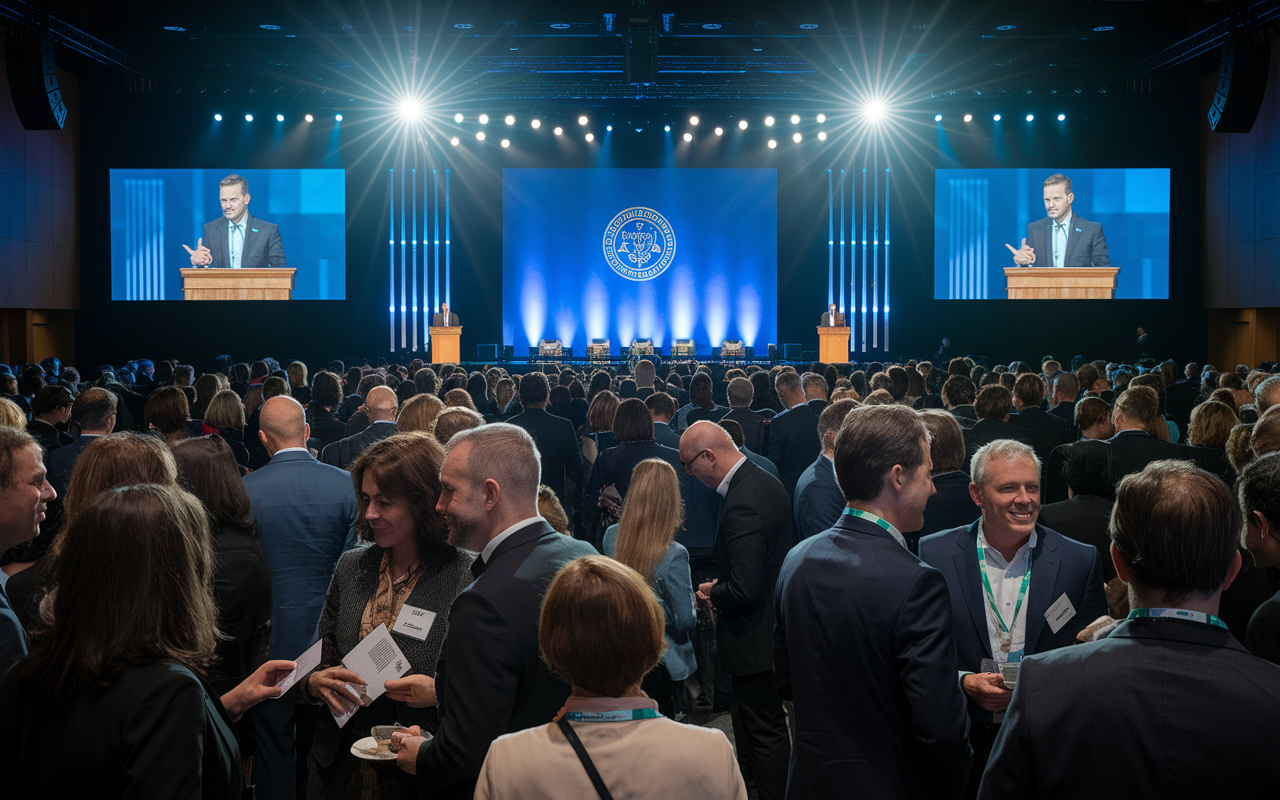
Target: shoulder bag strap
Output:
[{"x": 592, "y": 773}]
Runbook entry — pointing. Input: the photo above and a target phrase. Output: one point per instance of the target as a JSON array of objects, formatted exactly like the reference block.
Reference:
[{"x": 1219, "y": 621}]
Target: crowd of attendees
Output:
[{"x": 577, "y": 564}]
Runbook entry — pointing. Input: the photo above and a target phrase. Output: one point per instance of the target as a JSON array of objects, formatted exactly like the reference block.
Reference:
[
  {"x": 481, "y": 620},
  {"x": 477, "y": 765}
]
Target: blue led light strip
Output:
[
  {"x": 403, "y": 255},
  {"x": 886, "y": 259},
  {"x": 391, "y": 251},
  {"x": 435, "y": 180},
  {"x": 413, "y": 262},
  {"x": 864, "y": 260},
  {"x": 831, "y": 244},
  {"x": 447, "y": 282},
  {"x": 875, "y": 252}
]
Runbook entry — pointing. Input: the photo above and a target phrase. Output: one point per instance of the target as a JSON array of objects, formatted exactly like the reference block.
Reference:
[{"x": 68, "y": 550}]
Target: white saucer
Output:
[{"x": 369, "y": 743}]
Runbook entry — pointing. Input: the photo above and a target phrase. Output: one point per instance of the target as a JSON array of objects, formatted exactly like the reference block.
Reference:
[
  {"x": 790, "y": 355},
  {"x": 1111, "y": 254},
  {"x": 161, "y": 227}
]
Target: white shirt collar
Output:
[
  {"x": 243, "y": 223},
  {"x": 1066, "y": 222},
  {"x": 723, "y": 488},
  {"x": 497, "y": 540},
  {"x": 290, "y": 450}
]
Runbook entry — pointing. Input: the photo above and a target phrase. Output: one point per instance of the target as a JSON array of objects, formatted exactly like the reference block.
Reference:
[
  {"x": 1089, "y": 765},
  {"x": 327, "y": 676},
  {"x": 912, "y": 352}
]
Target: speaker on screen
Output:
[{"x": 1242, "y": 83}]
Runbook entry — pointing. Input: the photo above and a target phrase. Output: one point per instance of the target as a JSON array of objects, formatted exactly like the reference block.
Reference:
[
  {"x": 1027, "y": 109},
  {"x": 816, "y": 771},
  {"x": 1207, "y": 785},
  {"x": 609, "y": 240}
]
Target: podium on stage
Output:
[
  {"x": 272, "y": 283},
  {"x": 833, "y": 344},
  {"x": 444, "y": 344},
  {"x": 1061, "y": 283}
]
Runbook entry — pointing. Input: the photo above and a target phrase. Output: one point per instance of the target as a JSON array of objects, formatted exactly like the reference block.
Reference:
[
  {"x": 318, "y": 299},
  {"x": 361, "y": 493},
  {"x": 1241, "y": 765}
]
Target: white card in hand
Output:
[
  {"x": 1060, "y": 613},
  {"x": 306, "y": 662},
  {"x": 377, "y": 660},
  {"x": 414, "y": 622}
]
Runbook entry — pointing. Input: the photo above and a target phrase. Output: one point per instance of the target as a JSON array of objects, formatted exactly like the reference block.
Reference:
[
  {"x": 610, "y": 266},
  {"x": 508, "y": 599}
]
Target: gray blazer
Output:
[
  {"x": 354, "y": 582},
  {"x": 674, "y": 587}
]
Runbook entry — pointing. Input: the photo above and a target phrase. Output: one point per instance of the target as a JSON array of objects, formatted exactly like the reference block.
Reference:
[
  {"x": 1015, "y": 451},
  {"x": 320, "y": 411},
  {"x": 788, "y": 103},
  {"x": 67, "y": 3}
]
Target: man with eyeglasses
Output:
[{"x": 753, "y": 536}]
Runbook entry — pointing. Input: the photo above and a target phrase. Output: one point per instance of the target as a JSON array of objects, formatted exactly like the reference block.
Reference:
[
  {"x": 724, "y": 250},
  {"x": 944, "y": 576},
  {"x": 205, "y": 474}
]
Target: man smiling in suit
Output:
[
  {"x": 1063, "y": 239},
  {"x": 239, "y": 239}
]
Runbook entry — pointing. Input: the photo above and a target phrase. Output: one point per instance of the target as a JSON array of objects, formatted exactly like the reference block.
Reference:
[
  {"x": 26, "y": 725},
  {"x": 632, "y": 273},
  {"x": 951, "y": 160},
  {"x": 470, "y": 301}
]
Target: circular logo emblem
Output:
[{"x": 639, "y": 244}]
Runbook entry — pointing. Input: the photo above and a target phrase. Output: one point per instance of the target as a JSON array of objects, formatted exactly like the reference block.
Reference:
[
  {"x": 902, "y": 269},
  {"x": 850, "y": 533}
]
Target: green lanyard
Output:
[
  {"x": 1006, "y": 635},
  {"x": 1178, "y": 613},
  {"x": 621, "y": 715},
  {"x": 860, "y": 514}
]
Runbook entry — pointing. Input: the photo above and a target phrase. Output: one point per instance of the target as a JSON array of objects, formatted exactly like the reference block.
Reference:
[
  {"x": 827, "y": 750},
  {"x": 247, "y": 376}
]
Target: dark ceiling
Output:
[{"x": 570, "y": 51}]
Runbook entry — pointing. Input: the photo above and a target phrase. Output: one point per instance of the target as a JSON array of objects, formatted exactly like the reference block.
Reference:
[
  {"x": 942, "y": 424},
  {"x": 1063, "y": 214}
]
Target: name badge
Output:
[
  {"x": 1059, "y": 613},
  {"x": 414, "y": 622}
]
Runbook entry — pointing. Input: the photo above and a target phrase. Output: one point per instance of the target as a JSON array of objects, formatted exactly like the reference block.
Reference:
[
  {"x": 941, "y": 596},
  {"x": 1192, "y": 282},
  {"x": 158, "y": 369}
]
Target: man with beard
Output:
[{"x": 490, "y": 679}]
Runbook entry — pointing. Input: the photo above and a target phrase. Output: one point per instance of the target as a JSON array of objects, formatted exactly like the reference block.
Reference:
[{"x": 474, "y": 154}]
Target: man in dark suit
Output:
[
  {"x": 793, "y": 434},
  {"x": 490, "y": 679},
  {"x": 306, "y": 513},
  {"x": 444, "y": 318},
  {"x": 662, "y": 407},
  {"x": 863, "y": 639},
  {"x": 1133, "y": 448},
  {"x": 1062, "y": 397},
  {"x": 755, "y": 437},
  {"x": 951, "y": 505},
  {"x": 94, "y": 411},
  {"x": 819, "y": 501},
  {"x": 1063, "y": 239},
  {"x": 958, "y": 395},
  {"x": 1043, "y": 430},
  {"x": 992, "y": 408},
  {"x": 1170, "y": 696},
  {"x": 561, "y": 456},
  {"x": 1086, "y": 515},
  {"x": 24, "y": 494},
  {"x": 238, "y": 239},
  {"x": 815, "y": 391},
  {"x": 831, "y": 317},
  {"x": 380, "y": 405},
  {"x": 51, "y": 407},
  {"x": 1016, "y": 587},
  {"x": 753, "y": 537}
]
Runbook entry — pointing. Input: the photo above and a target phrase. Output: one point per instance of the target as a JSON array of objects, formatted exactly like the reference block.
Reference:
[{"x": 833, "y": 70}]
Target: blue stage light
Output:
[
  {"x": 248, "y": 118},
  {"x": 279, "y": 117},
  {"x": 1031, "y": 117},
  {"x": 217, "y": 118},
  {"x": 996, "y": 118},
  {"x": 937, "y": 118},
  {"x": 337, "y": 117},
  {"x": 1062, "y": 117}
]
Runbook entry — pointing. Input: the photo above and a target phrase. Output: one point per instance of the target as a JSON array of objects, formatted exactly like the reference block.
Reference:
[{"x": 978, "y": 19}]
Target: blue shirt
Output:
[{"x": 235, "y": 239}]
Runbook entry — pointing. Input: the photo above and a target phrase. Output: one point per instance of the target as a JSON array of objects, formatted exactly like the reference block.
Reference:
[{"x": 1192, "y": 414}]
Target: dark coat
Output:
[
  {"x": 985, "y": 431},
  {"x": 793, "y": 444},
  {"x": 819, "y": 501},
  {"x": 755, "y": 432},
  {"x": 559, "y": 450},
  {"x": 950, "y": 507},
  {"x": 1086, "y": 519},
  {"x": 344, "y": 452},
  {"x": 1043, "y": 430}
]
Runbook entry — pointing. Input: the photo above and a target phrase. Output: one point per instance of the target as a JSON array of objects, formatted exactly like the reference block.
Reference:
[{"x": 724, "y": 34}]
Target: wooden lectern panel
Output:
[
  {"x": 445, "y": 347},
  {"x": 1061, "y": 283},
  {"x": 833, "y": 344},
  {"x": 273, "y": 283}
]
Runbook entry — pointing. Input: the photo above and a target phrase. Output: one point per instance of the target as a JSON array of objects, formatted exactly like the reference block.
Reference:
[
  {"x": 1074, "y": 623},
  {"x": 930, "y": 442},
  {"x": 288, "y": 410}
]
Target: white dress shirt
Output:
[
  {"x": 723, "y": 488},
  {"x": 501, "y": 537},
  {"x": 1006, "y": 581},
  {"x": 1060, "y": 233}
]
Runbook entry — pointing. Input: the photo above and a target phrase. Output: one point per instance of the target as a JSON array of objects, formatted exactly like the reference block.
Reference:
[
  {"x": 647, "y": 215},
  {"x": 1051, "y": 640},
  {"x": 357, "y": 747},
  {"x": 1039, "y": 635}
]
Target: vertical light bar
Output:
[
  {"x": 391, "y": 251},
  {"x": 875, "y": 251},
  {"x": 435, "y": 180},
  {"x": 986, "y": 224},
  {"x": 447, "y": 281},
  {"x": 842, "y": 241},
  {"x": 148, "y": 229},
  {"x": 403, "y": 254},
  {"x": 886, "y": 259},
  {"x": 164, "y": 275},
  {"x": 831, "y": 210},
  {"x": 413, "y": 262},
  {"x": 864, "y": 260},
  {"x": 128, "y": 242}
]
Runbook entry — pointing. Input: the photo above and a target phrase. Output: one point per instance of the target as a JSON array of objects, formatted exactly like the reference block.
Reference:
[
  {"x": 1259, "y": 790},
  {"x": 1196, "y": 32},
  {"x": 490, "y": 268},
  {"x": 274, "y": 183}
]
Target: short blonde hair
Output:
[
  {"x": 11, "y": 415},
  {"x": 551, "y": 510},
  {"x": 225, "y": 411},
  {"x": 419, "y": 413}
]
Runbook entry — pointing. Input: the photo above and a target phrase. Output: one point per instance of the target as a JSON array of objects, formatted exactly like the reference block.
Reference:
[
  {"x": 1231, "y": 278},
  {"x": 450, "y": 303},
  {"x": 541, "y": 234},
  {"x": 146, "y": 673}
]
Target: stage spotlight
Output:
[
  {"x": 937, "y": 118},
  {"x": 480, "y": 136},
  {"x": 309, "y": 118},
  {"x": 279, "y": 117},
  {"x": 719, "y": 131},
  {"x": 454, "y": 141},
  {"x": 773, "y": 143},
  {"x": 582, "y": 120},
  {"x": 768, "y": 120},
  {"x": 1062, "y": 117},
  {"x": 874, "y": 110},
  {"x": 410, "y": 109},
  {"x": 795, "y": 119},
  {"x": 796, "y": 137},
  {"x": 688, "y": 137},
  {"x": 968, "y": 118},
  {"x": 822, "y": 118},
  {"x": 1030, "y": 117},
  {"x": 458, "y": 117},
  {"x": 742, "y": 124},
  {"x": 483, "y": 119},
  {"x": 337, "y": 118},
  {"x": 558, "y": 130},
  {"x": 608, "y": 128},
  {"x": 509, "y": 119},
  {"x": 822, "y": 136},
  {"x": 217, "y": 118},
  {"x": 667, "y": 128},
  {"x": 506, "y": 142},
  {"x": 248, "y": 118},
  {"x": 996, "y": 118},
  {"x": 591, "y": 137},
  {"x": 535, "y": 124},
  {"x": 693, "y": 120}
]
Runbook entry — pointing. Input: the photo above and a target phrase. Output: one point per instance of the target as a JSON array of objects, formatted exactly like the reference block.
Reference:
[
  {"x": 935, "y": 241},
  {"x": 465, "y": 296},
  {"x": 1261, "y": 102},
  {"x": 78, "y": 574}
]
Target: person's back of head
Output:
[
  {"x": 1266, "y": 433},
  {"x": 1090, "y": 411},
  {"x": 1028, "y": 390},
  {"x": 993, "y": 402},
  {"x": 1066, "y": 387},
  {"x": 368, "y": 382},
  {"x": 183, "y": 375},
  {"x": 1211, "y": 424},
  {"x": 258, "y": 371},
  {"x": 1267, "y": 394},
  {"x": 94, "y": 410},
  {"x": 50, "y": 400},
  {"x": 740, "y": 393},
  {"x": 282, "y": 423},
  {"x": 1137, "y": 409},
  {"x": 225, "y": 412},
  {"x": 632, "y": 422},
  {"x": 958, "y": 391},
  {"x": 453, "y": 420},
  {"x": 601, "y": 412},
  {"x": 424, "y": 380},
  {"x": 207, "y": 468},
  {"x": 274, "y": 387},
  {"x": 651, "y": 515},
  {"x": 661, "y": 405},
  {"x": 645, "y": 373},
  {"x": 382, "y": 404},
  {"x": 958, "y": 366},
  {"x": 788, "y": 387},
  {"x": 167, "y": 411},
  {"x": 534, "y": 390},
  {"x": 873, "y": 442},
  {"x": 946, "y": 440},
  {"x": 458, "y": 397},
  {"x": 898, "y": 383},
  {"x": 700, "y": 391},
  {"x": 814, "y": 385},
  {"x": 120, "y": 459},
  {"x": 1085, "y": 469},
  {"x": 419, "y": 413},
  {"x": 734, "y": 430}
]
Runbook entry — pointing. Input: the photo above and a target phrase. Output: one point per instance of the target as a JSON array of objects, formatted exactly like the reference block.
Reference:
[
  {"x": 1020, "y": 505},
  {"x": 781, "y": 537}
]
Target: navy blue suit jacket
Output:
[
  {"x": 262, "y": 246},
  {"x": 1058, "y": 565},
  {"x": 13, "y": 642},
  {"x": 819, "y": 501},
  {"x": 344, "y": 452},
  {"x": 1086, "y": 243},
  {"x": 863, "y": 644}
]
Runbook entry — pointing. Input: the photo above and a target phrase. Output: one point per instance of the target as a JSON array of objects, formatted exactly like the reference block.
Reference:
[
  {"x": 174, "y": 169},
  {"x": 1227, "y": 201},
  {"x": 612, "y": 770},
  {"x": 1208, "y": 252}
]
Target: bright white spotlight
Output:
[
  {"x": 773, "y": 143},
  {"x": 822, "y": 136},
  {"x": 795, "y": 119},
  {"x": 968, "y": 118},
  {"x": 742, "y": 124},
  {"x": 535, "y": 124},
  {"x": 309, "y": 118},
  {"x": 1030, "y": 117},
  {"x": 667, "y": 128},
  {"x": 217, "y": 118},
  {"x": 822, "y": 118},
  {"x": 996, "y": 118},
  {"x": 591, "y": 137},
  {"x": 796, "y": 137},
  {"x": 608, "y": 128},
  {"x": 410, "y": 109},
  {"x": 480, "y": 136},
  {"x": 768, "y": 120},
  {"x": 279, "y": 117},
  {"x": 582, "y": 120},
  {"x": 937, "y": 118},
  {"x": 337, "y": 118},
  {"x": 874, "y": 110},
  {"x": 248, "y": 118},
  {"x": 458, "y": 117},
  {"x": 454, "y": 141},
  {"x": 506, "y": 142},
  {"x": 558, "y": 130},
  {"x": 719, "y": 131},
  {"x": 1062, "y": 117},
  {"x": 693, "y": 120},
  {"x": 483, "y": 119},
  {"x": 509, "y": 119},
  {"x": 688, "y": 137}
]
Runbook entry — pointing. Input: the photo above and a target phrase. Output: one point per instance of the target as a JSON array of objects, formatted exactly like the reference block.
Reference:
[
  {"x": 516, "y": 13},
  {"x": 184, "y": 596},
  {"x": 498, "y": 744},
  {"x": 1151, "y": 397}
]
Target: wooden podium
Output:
[
  {"x": 833, "y": 344},
  {"x": 274, "y": 283},
  {"x": 1061, "y": 283},
  {"x": 444, "y": 345}
]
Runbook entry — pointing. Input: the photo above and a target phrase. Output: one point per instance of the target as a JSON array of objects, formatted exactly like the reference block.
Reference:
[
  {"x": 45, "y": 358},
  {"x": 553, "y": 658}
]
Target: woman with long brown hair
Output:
[
  {"x": 167, "y": 413},
  {"x": 645, "y": 540}
]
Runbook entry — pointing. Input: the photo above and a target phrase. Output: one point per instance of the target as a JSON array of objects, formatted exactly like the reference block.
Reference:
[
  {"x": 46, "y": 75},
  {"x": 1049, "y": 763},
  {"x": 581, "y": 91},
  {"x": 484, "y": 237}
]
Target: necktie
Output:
[
  {"x": 235, "y": 245},
  {"x": 1059, "y": 244}
]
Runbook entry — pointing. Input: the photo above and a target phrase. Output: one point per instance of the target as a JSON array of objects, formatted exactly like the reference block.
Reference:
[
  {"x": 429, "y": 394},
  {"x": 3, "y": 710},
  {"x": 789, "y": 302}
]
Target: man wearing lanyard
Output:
[
  {"x": 1169, "y": 704},
  {"x": 1016, "y": 587}
]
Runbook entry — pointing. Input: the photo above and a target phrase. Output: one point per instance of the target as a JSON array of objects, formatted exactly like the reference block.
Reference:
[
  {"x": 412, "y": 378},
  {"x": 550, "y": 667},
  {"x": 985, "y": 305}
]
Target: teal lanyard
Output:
[
  {"x": 860, "y": 514},
  {"x": 1178, "y": 613},
  {"x": 623, "y": 715},
  {"x": 1006, "y": 637}
]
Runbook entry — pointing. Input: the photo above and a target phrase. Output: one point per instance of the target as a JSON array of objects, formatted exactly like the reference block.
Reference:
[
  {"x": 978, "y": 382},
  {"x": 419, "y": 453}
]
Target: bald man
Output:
[
  {"x": 305, "y": 512},
  {"x": 752, "y": 538},
  {"x": 380, "y": 405}
]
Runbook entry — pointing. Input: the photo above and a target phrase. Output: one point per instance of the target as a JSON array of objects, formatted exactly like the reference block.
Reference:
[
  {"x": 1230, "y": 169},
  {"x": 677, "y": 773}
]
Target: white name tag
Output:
[
  {"x": 416, "y": 622},
  {"x": 1058, "y": 614}
]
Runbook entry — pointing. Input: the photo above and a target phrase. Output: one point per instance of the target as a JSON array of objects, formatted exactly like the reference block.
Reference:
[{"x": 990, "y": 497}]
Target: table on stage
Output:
[
  {"x": 833, "y": 344},
  {"x": 444, "y": 344}
]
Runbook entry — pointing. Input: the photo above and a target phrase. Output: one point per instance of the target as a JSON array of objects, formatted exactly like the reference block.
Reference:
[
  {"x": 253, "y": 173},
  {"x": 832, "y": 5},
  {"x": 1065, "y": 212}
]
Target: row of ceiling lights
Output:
[
  {"x": 279, "y": 118},
  {"x": 560, "y": 26}
]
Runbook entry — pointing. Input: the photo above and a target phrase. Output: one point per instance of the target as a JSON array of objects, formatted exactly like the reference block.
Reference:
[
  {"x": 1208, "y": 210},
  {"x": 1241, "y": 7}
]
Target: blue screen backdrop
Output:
[
  {"x": 720, "y": 282},
  {"x": 978, "y": 211},
  {"x": 156, "y": 211}
]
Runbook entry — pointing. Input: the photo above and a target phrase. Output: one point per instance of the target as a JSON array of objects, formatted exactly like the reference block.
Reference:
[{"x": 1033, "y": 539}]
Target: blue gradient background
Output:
[
  {"x": 309, "y": 206},
  {"x": 722, "y": 283}
]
